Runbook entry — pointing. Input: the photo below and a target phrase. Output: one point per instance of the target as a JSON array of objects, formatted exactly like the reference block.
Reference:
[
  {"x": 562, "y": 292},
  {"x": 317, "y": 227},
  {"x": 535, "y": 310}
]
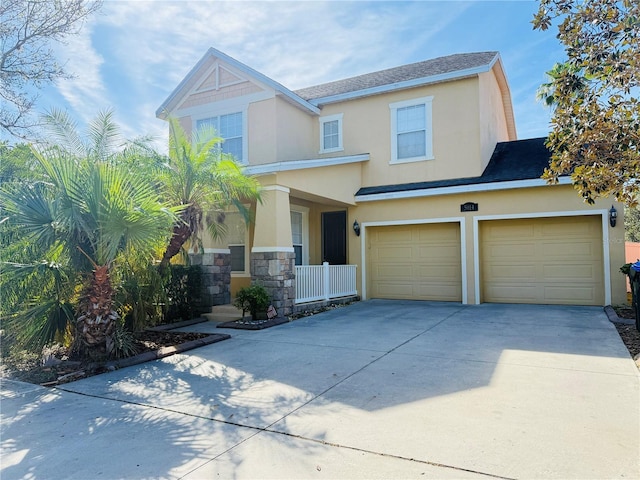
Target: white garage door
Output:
[
  {"x": 419, "y": 262},
  {"x": 547, "y": 261}
]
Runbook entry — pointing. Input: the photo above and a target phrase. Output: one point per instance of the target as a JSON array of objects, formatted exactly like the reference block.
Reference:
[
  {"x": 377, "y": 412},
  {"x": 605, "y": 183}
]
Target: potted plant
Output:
[{"x": 253, "y": 299}]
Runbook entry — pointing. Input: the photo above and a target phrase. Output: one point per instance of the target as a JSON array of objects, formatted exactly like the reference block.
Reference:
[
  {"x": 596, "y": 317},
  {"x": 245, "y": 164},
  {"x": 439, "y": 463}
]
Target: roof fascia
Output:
[
  {"x": 416, "y": 82},
  {"x": 503, "y": 84},
  {"x": 478, "y": 187},
  {"x": 304, "y": 164},
  {"x": 162, "y": 111}
]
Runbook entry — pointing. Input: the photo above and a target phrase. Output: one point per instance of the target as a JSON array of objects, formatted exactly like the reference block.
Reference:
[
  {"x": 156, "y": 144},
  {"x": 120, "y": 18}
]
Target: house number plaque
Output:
[{"x": 469, "y": 207}]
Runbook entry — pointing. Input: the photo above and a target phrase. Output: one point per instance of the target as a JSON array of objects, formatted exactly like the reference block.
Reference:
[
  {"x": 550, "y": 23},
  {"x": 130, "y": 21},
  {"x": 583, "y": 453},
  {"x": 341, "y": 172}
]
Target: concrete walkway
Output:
[{"x": 378, "y": 389}]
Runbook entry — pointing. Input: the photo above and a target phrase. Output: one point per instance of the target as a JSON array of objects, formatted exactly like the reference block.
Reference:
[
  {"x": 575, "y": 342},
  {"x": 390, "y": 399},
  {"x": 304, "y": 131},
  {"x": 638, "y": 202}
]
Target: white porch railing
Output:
[{"x": 324, "y": 282}]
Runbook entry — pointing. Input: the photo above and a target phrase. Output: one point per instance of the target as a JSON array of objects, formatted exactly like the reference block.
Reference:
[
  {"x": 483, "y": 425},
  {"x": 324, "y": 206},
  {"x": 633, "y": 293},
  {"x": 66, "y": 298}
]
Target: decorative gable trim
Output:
[
  {"x": 219, "y": 77},
  {"x": 170, "y": 104}
]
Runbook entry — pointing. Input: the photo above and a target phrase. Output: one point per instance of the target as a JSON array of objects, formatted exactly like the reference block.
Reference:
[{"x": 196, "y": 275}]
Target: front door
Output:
[{"x": 334, "y": 237}]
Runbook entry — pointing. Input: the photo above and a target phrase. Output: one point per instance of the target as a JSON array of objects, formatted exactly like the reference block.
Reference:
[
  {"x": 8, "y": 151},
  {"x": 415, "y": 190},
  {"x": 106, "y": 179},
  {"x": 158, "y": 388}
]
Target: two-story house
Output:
[{"x": 413, "y": 174}]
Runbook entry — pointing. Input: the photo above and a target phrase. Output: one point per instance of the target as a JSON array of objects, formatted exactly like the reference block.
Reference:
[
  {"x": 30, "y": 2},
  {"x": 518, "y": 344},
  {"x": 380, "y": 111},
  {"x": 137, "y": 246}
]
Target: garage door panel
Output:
[
  {"x": 397, "y": 236},
  {"x": 390, "y": 271},
  {"x": 571, "y": 294},
  {"x": 434, "y": 252},
  {"x": 559, "y": 262},
  {"x": 506, "y": 292},
  {"x": 572, "y": 249},
  {"x": 433, "y": 273},
  {"x": 436, "y": 234},
  {"x": 394, "y": 253},
  {"x": 513, "y": 250},
  {"x": 569, "y": 273},
  {"x": 518, "y": 272},
  {"x": 419, "y": 262},
  {"x": 438, "y": 291},
  {"x": 498, "y": 231},
  {"x": 569, "y": 228}
]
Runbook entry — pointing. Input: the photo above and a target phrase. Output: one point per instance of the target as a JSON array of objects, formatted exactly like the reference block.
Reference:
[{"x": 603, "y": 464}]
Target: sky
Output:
[{"x": 132, "y": 54}]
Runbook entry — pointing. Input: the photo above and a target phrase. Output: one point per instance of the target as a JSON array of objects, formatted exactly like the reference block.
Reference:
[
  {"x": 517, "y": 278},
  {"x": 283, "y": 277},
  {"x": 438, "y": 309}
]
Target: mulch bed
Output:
[
  {"x": 628, "y": 333},
  {"x": 55, "y": 367},
  {"x": 248, "y": 324}
]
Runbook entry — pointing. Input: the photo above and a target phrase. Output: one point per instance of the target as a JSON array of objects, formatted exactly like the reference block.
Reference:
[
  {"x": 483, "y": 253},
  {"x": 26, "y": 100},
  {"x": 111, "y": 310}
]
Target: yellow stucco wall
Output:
[
  {"x": 262, "y": 132},
  {"x": 456, "y": 133}
]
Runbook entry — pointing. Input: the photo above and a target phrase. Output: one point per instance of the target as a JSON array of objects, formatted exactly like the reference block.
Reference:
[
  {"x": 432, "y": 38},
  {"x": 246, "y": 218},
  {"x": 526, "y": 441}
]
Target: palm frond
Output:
[
  {"x": 63, "y": 131},
  {"x": 104, "y": 135}
]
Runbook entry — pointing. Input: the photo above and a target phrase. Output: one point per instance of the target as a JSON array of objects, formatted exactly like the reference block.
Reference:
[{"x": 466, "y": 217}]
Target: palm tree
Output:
[
  {"x": 88, "y": 211},
  {"x": 203, "y": 181}
]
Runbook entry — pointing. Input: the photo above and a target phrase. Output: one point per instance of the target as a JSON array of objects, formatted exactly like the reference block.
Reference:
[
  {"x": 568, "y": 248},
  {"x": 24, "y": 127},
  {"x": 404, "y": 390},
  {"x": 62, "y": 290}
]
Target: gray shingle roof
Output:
[
  {"x": 516, "y": 160},
  {"x": 427, "y": 68}
]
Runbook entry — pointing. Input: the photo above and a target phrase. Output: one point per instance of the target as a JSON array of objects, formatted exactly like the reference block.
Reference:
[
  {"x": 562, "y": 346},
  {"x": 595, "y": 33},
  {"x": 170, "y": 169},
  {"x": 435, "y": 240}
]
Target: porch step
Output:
[{"x": 223, "y": 313}]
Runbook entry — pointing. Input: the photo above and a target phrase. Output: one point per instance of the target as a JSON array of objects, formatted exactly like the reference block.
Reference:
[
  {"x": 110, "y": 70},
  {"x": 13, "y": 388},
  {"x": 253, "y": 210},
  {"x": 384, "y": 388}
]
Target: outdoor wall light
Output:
[
  {"x": 613, "y": 216},
  {"x": 356, "y": 228}
]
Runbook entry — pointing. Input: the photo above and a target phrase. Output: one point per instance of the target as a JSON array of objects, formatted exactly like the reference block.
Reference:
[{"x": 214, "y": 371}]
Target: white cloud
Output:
[
  {"x": 85, "y": 92},
  {"x": 135, "y": 53}
]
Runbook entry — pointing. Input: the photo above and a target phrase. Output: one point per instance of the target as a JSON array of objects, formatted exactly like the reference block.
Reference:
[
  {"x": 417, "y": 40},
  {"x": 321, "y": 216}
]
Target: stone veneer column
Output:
[
  {"x": 275, "y": 271},
  {"x": 272, "y": 255},
  {"x": 216, "y": 276}
]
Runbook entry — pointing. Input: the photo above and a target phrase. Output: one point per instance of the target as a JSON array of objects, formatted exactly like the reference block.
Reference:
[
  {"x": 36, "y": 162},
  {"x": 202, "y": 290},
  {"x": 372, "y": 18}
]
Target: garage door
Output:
[
  {"x": 420, "y": 262},
  {"x": 548, "y": 261}
]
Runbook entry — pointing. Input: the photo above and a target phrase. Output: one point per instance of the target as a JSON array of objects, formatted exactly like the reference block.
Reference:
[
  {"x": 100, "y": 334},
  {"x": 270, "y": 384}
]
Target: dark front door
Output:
[{"x": 334, "y": 237}]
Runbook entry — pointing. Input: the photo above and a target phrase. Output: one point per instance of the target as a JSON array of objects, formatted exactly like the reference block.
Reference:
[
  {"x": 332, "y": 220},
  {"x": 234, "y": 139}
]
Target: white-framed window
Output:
[
  {"x": 300, "y": 233},
  {"x": 331, "y": 133},
  {"x": 236, "y": 238},
  {"x": 411, "y": 130},
  {"x": 230, "y": 127}
]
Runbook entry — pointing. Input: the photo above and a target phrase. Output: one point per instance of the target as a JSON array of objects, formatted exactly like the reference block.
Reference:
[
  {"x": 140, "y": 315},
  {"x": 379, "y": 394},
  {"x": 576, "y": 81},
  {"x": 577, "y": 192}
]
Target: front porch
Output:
[{"x": 315, "y": 286}]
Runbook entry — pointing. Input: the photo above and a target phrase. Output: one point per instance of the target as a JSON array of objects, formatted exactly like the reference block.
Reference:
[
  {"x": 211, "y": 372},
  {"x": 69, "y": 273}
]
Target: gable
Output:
[
  {"x": 219, "y": 83},
  {"x": 217, "y": 77}
]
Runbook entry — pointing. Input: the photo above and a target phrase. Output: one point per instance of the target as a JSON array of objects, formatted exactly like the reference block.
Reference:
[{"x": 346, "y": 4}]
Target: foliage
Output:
[
  {"x": 203, "y": 181},
  {"x": 254, "y": 299},
  {"x": 183, "y": 293},
  {"x": 596, "y": 112},
  {"x": 27, "y": 30},
  {"x": 632, "y": 224},
  {"x": 86, "y": 213},
  {"x": 124, "y": 343}
]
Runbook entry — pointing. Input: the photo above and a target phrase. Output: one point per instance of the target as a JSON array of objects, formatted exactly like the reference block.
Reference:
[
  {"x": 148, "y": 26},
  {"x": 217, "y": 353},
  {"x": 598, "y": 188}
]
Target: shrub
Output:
[
  {"x": 252, "y": 299},
  {"x": 183, "y": 292}
]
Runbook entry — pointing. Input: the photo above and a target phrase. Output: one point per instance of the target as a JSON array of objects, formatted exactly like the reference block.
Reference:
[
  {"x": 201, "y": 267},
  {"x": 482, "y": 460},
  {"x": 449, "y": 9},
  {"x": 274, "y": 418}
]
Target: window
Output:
[
  {"x": 331, "y": 133},
  {"x": 296, "y": 235},
  {"x": 230, "y": 127},
  {"x": 300, "y": 233},
  {"x": 411, "y": 137},
  {"x": 236, "y": 229}
]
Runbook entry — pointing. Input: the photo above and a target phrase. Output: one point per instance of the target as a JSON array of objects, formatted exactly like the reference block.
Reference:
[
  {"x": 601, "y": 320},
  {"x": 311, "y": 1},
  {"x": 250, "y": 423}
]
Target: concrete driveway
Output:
[{"x": 378, "y": 389}]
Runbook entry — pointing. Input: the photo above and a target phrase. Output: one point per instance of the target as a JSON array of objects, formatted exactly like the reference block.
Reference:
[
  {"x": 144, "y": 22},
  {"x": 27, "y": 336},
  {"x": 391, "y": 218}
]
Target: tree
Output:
[
  {"x": 632, "y": 224},
  {"x": 203, "y": 181},
  {"x": 27, "y": 27},
  {"x": 595, "y": 135},
  {"x": 87, "y": 213}
]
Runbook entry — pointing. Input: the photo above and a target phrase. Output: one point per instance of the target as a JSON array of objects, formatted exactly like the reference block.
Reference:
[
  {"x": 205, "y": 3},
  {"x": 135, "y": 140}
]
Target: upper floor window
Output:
[
  {"x": 411, "y": 135},
  {"x": 331, "y": 133},
  {"x": 231, "y": 128}
]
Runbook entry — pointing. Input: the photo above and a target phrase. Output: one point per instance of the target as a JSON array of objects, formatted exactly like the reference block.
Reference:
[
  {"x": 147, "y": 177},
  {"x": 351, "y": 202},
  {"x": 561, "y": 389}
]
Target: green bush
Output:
[
  {"x": 183, "y": 292},
  {"x": 254, "y": 299}
]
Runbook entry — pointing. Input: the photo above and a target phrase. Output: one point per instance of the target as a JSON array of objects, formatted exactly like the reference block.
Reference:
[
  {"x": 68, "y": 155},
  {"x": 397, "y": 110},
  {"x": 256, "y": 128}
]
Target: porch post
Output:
[{"x": 272, "y": 255}]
